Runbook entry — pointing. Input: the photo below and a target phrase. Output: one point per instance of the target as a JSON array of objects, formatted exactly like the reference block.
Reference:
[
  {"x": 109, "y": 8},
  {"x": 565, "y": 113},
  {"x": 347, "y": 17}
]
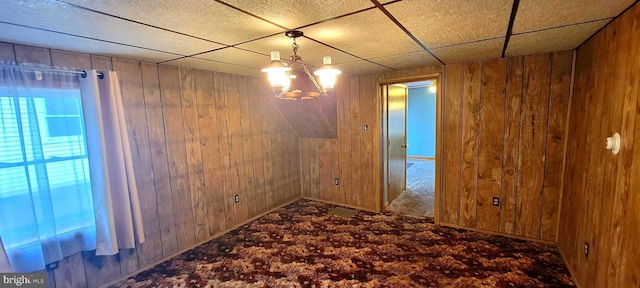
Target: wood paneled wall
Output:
[
  {"x": 353, "y": 157},
  {"x": 504, "y": 128},
  {"x": 315, "y": 118},
  {"x": 601, "y": 190},
  {"x": 197, "y": 139},
  {"x": 504, "y": 124},
  {"x": 349, "y": 156}
]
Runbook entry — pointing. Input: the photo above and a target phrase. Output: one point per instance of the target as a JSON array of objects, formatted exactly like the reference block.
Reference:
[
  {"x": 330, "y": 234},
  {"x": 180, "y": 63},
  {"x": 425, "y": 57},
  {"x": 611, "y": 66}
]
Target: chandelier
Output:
[{"x": 295, "y": 81}]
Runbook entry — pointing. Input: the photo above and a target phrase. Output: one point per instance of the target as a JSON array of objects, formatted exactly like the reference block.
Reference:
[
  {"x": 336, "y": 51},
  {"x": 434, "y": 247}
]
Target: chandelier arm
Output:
[{"x": 313, "y": 79}]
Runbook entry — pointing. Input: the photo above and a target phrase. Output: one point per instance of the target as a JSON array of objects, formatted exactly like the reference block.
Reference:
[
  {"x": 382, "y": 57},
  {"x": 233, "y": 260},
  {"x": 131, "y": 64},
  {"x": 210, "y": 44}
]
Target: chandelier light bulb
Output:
[{"x": 327, "y": 73}]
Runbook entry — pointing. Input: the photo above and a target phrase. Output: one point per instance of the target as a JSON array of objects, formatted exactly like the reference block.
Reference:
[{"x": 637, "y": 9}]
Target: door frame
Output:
[{"x": 382, "y": 123}]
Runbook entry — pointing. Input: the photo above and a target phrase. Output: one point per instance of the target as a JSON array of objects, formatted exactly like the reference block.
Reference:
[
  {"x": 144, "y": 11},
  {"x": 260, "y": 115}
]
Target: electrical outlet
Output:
[
  {"x": 336, "y": 181},
  {"x": 496, "y": 201},
  {"x": 366, "y": 128},
  {"x": 236, "y": 198},
  {"x": 586, "y": 249}
]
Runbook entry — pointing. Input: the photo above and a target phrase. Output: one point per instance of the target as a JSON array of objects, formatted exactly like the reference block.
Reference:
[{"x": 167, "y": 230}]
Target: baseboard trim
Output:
[
  {"x": 340, "y": 204},
  {"x": 421, "y": 157},
  {"x": 145, "y": 268},
  {"x": 498, "y": 233}
]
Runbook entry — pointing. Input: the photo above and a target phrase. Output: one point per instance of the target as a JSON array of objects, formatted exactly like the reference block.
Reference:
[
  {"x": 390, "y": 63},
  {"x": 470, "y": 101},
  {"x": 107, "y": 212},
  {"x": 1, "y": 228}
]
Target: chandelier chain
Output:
[{"x": 295, "y": 47}]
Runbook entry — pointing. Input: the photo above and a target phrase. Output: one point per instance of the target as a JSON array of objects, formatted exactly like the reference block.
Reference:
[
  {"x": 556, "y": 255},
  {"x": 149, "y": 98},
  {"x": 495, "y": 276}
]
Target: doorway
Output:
[{"x": 411, "y": 122}]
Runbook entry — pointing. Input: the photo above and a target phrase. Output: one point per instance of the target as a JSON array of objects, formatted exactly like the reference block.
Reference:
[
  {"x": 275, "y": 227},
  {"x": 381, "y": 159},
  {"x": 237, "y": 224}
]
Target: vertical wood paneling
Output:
[
  {"x": 238, "y": 187},
  {"x": 485, "y": 146},
  {"x": 247, "y": 163},
  {"x": 70, "y": 59},
  {"x": 600, "y": 193},
  {"x": 511, "y": 146},
  {"x": 367, "y": 112},
  {"x": 256, "y": 143},
  {"x": 601, "y": 112},
  {"x": 490, "y": 144},
  {"x": 176, "y": 154},
  {"x": 265, "y": 106},
  {"x": 344, "y": 138},
  {"x": 130, "y": 74},
  {"x": 535, "y": 103},
  {"x": 335, "y": 170},
  {"x": 471, "y": 118},
  {"x": 223, "y": 147},
  {"x": 70, "y": 273},
  {"x": 356, "y": 142},
  {"x": 324, "y": 158},
  {"x": 155, "y": 123},
  {"x": 100, "y": 269},
  {"x": 214, "y": 193},
  {"x": 101, "y": 63},
  {"x": 574, "y": 174},
  {"x": 453, "y": 141},
  {"x": 32, "y": 55},
  {"x": 7, "y": 54},
  {"x": 314, "y": 169},
  {"x": 496, "y": 156},
  {"x": 554, "y": 157},
  {"x": 615, "y": 61},
  {"x": 193, "y": 153},
  {"x": 305, "y": 166}
]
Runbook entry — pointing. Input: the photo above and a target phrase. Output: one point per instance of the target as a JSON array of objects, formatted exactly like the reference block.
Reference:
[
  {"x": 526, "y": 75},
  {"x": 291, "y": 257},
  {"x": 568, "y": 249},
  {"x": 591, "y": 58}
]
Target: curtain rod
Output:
[{"x": 80, "y": 72}]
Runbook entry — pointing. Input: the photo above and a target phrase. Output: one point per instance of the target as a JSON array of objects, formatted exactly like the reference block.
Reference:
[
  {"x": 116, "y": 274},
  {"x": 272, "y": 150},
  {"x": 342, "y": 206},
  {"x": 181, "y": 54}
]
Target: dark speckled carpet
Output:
[{"x": 301, "y": 246}]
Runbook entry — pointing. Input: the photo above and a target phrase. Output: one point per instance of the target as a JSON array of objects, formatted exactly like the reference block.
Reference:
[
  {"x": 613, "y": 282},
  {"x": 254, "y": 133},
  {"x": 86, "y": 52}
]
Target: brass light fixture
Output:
[{"x": 295, "y": 82}]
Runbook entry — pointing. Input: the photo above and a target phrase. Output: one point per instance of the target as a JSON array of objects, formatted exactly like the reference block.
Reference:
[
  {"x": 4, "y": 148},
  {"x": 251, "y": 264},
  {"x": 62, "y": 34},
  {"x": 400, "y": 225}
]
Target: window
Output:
[
  {"x": 63, "y": 117},
  {"x": 43, "y": 164}
]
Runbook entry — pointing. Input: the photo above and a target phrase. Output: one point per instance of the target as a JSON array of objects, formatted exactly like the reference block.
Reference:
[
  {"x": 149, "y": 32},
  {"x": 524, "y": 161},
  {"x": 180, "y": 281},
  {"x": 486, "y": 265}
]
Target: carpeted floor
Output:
[
  {"x": 419, "y": 198},
  {"x": 300, "y": 245}
]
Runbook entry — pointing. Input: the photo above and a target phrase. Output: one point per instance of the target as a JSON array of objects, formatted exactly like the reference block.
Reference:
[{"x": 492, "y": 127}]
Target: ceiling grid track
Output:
[
  {"x": 138, "y": 22},
  {"x": 386, "y": 12},
  {"x": 90, "y": 38},
  {"x": 507, "y": 37}
]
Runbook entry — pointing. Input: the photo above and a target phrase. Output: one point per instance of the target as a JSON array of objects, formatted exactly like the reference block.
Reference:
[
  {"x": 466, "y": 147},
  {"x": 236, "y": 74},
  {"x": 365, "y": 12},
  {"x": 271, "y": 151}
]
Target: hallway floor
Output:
[{"x": 419, "y": 198}]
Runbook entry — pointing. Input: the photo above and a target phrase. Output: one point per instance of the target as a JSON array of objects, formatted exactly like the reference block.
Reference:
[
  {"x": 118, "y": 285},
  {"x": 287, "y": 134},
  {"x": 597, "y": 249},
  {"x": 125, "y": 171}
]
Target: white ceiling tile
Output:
[
  {"x": 56, "y": 16},
  {"x": 362, "y": 67},
  {"x": 211, "y": 65},
  {"x": 293, "y": 14},
  {"x": 36, "y": 37},
  {"x": 310, "y": 51},
  {"x": 239, "y": 57},
  {"x": 206, "y": 19},
  {"x": 542, "y": 14},
  {"x": 442, "y": 23},
  {"x": 369, "y": 34},
  {"x": 481, "y": 50},
  {"x": 407, "y": 60},
  {"x": 558, "y": 39}
]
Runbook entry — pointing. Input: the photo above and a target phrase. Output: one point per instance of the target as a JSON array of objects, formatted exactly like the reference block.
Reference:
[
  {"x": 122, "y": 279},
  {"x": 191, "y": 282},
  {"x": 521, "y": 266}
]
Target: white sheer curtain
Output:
[
  {"x": 4, "y": 260},
  {"x": 66, "y": 176},
  {"x": 46, "y": 208},
  {"x": 117, "y": 208}
]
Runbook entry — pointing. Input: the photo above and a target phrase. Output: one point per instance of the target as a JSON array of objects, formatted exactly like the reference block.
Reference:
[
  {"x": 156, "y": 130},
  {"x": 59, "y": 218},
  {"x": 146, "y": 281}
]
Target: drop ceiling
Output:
[{"x": 362, "y": 36}]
